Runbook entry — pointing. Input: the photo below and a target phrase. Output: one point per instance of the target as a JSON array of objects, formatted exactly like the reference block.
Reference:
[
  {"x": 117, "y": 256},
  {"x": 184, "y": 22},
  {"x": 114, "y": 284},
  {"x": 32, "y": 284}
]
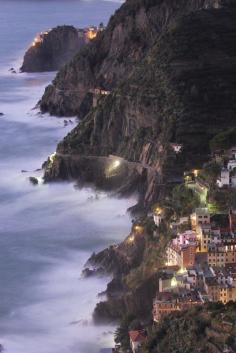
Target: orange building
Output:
[
  {"x": 222, "y": 254},
  {"x": 166, "y": 303}
]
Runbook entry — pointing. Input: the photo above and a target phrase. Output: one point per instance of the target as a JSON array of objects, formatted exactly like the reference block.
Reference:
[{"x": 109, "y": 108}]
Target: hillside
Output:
[
  {"x": 207, "y": 329},
  {"x": 131, "y": 32},
  {"x": 182, "y": 91}
]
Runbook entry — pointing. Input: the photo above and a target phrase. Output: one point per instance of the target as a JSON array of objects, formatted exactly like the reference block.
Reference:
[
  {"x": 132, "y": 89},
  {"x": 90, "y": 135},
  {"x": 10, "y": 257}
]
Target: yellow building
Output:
[
  {"x": 220, "y": 292},
  {"x": 204, "y": 236},
  {"x": 222, "y": 255},
  {"x": 199, "y": 217}
]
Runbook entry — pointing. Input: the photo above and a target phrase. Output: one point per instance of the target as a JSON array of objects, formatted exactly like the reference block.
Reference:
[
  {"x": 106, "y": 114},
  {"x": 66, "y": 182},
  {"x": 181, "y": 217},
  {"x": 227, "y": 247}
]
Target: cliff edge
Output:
[{"x": 52, "y": 49}]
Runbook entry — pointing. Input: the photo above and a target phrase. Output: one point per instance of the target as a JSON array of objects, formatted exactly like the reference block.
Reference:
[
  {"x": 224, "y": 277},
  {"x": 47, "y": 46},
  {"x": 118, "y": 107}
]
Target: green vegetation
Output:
[
  {"x": 199, "y": 329},
  {"x": 184, "y": 200},
  {"x": 122, "y": 332},
  {"x": 210, "y": 173},
  {"x": 224, "y": 140},
  {"x": 223, "y": 199}
]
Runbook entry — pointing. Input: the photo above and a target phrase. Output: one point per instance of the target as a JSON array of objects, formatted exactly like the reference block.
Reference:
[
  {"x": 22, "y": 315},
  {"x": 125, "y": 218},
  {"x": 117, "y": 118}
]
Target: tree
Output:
[
  {"x": 122, "y": 332},
  {"x": 225, "y": 199},
  {"x": 210, "y": 173},
  {"x": 184, "y": 200},
  {"x": 224, "y": 140}
]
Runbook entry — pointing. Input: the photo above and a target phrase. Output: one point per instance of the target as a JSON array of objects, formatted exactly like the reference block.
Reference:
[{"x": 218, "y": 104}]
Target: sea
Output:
[{"x": 47, "y": 231}]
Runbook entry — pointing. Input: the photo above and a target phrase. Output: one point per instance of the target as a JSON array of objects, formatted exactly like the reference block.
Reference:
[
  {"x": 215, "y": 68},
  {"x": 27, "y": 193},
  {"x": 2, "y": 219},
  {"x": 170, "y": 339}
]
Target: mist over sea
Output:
[{"x": 47, "y": 232}]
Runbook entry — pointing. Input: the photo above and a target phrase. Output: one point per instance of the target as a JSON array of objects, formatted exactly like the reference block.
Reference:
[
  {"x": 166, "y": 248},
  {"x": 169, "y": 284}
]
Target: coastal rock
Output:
[
  {"x": 52, "y": 49},
  {"x": 33, "y": 180},
  {"x": 88, "y": 272},
  {"x": 1, "y": 114}
]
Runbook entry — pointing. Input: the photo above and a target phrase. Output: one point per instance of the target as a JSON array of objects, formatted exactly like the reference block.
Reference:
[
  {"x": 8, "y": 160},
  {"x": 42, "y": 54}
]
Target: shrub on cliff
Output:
[{"x": 224, "y": 140}]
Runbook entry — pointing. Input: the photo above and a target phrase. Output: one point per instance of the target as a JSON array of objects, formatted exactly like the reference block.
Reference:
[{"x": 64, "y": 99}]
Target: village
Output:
[{"x": 200, "y": 259}]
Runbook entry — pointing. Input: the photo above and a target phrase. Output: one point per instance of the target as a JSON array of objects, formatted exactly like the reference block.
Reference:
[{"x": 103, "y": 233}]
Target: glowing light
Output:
[
  {"x": 116, "y": 164},
  {"x": 173, "y": 282},
  {"x": 112, "y": 168},
  {"x": 52, "y": 157},
  {"x": 158, "y": 210},
  {"x": 131, "y": 239},
  {"x": 196, "y": 172},
  {"x": 181, "y": 270},
  {"x": 138, "y": 229},
  {"x": 91, "y": 33}
]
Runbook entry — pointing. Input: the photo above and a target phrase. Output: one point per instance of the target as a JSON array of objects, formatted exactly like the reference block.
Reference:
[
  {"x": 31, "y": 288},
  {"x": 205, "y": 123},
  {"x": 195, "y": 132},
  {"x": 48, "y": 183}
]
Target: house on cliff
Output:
[{"x": 137, "y": 338}]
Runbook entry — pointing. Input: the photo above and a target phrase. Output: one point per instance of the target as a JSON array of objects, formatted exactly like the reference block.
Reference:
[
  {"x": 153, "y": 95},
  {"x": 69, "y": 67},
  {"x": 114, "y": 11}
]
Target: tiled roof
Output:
[{"x": 137, "y": 336}]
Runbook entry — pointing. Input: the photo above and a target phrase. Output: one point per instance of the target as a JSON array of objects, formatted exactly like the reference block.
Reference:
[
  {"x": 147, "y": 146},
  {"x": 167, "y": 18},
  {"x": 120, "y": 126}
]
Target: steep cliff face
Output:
[
  {"x": 131, "y": 32},
  {"x": 182, "y": 91},
  {"x": 52, "y": 49},
  {"x": 134, "y": 264}
]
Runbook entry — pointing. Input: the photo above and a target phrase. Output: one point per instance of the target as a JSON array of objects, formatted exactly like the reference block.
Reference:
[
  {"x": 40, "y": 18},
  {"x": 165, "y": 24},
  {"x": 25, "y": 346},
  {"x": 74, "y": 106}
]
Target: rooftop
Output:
[{"x": 137, "y": 336}]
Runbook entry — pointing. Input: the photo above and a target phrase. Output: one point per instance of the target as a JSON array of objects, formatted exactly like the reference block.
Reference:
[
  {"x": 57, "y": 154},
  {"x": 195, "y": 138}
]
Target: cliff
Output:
[
  {"x": 183, "y": 90},
  {"x": 52, "y": 49},
  {"x": 131, "y": 32},
  {"x": 134, "y": 264}
]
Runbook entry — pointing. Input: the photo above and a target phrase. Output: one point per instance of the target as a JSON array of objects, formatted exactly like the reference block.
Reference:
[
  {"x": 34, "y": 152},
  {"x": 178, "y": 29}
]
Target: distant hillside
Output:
[{"x": 52, "y": 49}]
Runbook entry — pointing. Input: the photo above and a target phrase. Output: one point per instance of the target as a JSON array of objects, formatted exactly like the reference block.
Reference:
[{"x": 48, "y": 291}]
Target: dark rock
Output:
[
  {"x": 1, "y": 114},
  {"x": 87, "y": 272},
  {"x": 33, "y": 180},
  {"x": 24, "y": 171},
  {"x": 38, "y": 170},
  {"x": 52, "y": 50},
  {"x": 113, "y": 55}
]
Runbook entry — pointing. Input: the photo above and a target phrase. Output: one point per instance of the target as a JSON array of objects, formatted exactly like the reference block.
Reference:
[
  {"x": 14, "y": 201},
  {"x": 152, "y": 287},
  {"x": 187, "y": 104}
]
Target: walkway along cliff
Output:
[{"x": 168, "y": 67}]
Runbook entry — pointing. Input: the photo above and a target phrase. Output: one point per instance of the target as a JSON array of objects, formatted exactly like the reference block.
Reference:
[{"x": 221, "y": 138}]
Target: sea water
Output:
[{"x": 47, "y": 232}]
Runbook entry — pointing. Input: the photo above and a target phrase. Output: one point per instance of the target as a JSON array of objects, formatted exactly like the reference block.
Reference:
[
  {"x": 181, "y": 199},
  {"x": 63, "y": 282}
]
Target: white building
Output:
[
  {"x": 199, "y": 217},
  {"x": 176, "y": 147},
  {"x": 231, "y": 164},
  {"x": 224, "y": 179}
]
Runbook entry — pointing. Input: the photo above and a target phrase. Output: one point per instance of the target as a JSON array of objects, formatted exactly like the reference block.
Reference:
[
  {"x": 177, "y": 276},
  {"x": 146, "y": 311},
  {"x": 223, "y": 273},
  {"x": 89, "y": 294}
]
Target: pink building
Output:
[{"x": 185, "y": 238}]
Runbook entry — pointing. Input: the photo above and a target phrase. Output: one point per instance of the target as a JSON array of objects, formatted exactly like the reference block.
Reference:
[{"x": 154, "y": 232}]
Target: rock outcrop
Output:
[
  {"x": 182, "y": 91},
  {"x": 134, "y": 264},
  {"x": 52, "y": 49}
]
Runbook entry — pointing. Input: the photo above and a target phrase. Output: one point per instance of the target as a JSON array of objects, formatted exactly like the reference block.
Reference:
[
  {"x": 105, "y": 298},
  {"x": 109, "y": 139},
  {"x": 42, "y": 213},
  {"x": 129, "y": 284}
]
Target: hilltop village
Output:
[{"x": 55, "y": 47}]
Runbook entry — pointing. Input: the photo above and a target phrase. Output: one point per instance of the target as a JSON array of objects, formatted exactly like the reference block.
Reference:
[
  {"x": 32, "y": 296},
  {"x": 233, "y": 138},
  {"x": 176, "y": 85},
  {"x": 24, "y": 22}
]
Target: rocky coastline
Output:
[
  {"x": 136, "y": 122},
  {"x": 159, "y": 75}
]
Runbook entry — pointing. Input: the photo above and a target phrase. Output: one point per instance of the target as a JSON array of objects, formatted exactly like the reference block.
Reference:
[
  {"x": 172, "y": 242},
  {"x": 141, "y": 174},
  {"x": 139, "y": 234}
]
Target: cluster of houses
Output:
[
  {"x": 200, "y": 265},
  {"x": 40, "y": 37},
  {"x": 200, "y": 260},
  {"x": 89, "y": 33}
]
